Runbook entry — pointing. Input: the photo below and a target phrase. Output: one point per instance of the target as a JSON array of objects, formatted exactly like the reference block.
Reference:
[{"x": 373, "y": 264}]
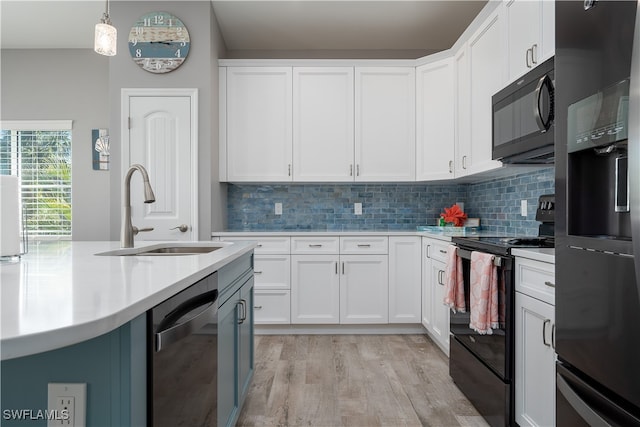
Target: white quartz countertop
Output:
[
  {"x": 537, "y": 254},
  {"x": 61, "y": 293}
]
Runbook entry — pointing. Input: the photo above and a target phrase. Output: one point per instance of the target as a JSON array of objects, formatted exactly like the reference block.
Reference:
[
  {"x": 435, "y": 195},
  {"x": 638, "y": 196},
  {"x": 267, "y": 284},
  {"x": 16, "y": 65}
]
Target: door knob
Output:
[{"x": 182, "y": 227}]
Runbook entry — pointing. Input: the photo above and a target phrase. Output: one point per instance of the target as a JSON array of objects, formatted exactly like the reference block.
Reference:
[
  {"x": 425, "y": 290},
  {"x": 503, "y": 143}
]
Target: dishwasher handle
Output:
[{"x": 170, "y": 332}]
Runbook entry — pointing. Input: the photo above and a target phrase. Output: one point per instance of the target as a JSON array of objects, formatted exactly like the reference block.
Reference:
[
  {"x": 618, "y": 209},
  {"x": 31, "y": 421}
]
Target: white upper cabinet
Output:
[
  {"x": 530, "y": 34},
  {"x": 323, "y": 124},
  {"x": 385, "y": 123},
  {"x": 486, "y": 77},
  {"x": 462, "y": 112},
  {"x": 259, "y": 123},
  {"x": 435, "y": 120}
]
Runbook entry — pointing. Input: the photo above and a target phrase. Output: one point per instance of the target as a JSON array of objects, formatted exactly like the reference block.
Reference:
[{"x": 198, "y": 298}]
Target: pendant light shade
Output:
[{"x": 105, "y": 36}]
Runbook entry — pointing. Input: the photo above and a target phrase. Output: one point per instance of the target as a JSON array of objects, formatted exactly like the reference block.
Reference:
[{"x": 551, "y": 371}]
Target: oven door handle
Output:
[
  {"x": 170, "y": 332},
  {"x": 466, "y": 254}
]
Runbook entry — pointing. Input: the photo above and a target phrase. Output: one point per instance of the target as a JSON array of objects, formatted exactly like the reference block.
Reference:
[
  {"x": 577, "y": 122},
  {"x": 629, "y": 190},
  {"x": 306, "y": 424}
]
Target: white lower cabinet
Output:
[
  {"x": 435, "y": 314},
  {"x": 405, "y": 279},
  {"x": 272, "y": 307},
  {"x": 534, "y": 353},
  {"x": 364, "y": 289},
  {"x": 315, "y": 290}
]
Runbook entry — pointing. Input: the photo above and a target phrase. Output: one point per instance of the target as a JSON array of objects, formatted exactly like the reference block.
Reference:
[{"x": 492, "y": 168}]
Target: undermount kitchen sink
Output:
[{"x": 173, "y": 248}]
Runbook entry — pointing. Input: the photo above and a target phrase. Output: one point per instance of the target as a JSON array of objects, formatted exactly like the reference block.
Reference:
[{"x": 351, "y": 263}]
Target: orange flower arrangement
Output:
[{"x": 454, "y": 215}]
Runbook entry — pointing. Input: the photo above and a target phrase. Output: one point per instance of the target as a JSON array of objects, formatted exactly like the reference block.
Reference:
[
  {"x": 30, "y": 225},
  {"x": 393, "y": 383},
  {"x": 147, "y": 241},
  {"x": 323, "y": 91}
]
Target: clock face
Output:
[{"x": 159, "y": 42}]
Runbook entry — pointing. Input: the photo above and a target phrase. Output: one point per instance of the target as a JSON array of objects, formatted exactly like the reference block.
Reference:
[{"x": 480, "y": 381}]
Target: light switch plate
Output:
[
  {"x": 523, "y": 207},
  {"x": 357, "y": 208},
  {"x": 278, "y": 208}
]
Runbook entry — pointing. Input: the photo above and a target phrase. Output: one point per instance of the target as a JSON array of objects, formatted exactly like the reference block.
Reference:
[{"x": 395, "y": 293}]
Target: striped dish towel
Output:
[
  {"x": 454, "y": 281},
  {"x": 483, "y": 293}
]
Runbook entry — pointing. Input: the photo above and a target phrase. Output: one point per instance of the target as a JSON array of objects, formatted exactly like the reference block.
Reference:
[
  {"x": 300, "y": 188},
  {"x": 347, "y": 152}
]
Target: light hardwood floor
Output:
[{"x": 353, "y": 380}]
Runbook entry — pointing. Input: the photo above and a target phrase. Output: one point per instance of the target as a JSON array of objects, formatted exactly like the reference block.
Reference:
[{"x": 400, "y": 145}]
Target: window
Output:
[{"x": 40, "y": 154}]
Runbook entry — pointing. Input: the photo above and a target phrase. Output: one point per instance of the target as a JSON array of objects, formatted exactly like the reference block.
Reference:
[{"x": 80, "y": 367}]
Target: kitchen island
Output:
[{"x": 71, "y": 316}]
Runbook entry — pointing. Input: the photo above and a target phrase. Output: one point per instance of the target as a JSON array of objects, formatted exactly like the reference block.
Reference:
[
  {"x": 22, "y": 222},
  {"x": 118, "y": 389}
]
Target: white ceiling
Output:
[{"x": 262, "y": 25}]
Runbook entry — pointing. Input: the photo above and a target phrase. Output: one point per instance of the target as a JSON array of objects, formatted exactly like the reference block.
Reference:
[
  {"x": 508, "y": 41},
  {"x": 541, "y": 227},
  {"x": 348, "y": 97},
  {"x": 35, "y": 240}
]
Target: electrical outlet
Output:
[
  {"x": 67, "y": 405},
  {"x": 278, "y": 208},
  {"x": 523, "y": 207},
  {"x": 357, "y": 208}
]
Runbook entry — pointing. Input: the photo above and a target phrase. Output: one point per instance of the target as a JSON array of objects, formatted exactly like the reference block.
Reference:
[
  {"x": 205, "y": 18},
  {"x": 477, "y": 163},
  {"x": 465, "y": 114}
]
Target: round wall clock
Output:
[{"x": 159, "y": 42}]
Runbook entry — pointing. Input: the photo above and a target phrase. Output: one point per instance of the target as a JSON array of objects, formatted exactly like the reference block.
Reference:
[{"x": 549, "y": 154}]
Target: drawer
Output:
[
  {"x": 437, "y": 249},
  {"x": 272, "y": 271},
  {"x": 272, "y": 307},
  {"x": 364, "y": 245},
  {"x": 266, "y": 245},
  {"x": 314, "y": 245},
  {"x": 536, "y": 279}
]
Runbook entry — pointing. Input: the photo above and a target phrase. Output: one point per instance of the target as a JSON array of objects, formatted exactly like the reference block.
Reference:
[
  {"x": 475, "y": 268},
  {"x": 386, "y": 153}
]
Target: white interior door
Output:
[{"x": 160, "y": 139}]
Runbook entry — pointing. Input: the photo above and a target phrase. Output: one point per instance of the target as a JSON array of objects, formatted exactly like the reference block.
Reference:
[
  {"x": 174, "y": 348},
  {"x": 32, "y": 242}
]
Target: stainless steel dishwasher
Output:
[{"x": 182, "y": 350}]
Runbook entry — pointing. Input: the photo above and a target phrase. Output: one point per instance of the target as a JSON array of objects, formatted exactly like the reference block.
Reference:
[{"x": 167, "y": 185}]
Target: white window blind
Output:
[{"x": 40, "y": 154}]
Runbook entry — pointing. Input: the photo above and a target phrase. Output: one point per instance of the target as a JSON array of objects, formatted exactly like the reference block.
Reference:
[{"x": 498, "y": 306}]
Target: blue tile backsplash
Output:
[{"x": 387, "y": 206}]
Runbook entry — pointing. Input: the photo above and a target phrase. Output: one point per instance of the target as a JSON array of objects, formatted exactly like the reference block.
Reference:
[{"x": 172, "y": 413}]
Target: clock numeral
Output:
[
  {"x": 170, "y": 22},
  {"x": 158, "y": 65},
  {"x": 177, "y": 55},
  {"x": 179, "y": 30},
  {"x": 138, "y": 53},
  {"x": 158, "y": 19},
  {"x": 147, "y": 22},
  {"x": 139, "y": 31},
  {"x": 183, "y": 43},
  {"x": 134, "y": 42}
]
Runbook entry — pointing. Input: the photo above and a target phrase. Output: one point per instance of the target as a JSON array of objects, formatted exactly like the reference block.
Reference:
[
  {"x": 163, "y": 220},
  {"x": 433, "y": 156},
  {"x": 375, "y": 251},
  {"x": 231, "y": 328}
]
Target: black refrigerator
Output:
[{"x": 597, "y": 331}]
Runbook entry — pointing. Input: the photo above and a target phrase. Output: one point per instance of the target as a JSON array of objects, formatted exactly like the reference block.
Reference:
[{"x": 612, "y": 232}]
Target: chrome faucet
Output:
[{"x": 129, "y": 230}]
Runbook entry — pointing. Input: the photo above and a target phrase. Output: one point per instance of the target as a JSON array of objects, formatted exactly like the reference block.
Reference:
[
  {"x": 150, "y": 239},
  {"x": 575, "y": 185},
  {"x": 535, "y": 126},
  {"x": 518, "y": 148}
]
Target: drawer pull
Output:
[
  {"x": 315, "y": 246},
  {"x": 257, "y": 272},
  {"x": 549, "y": 284},
  {"x": 259, "y": 245},
  {"x": 364, "y": 245},
  {"x": 442, "y": 251},
  {"x": 544, "y": 332},
  {"x": 257, "y": 307}
]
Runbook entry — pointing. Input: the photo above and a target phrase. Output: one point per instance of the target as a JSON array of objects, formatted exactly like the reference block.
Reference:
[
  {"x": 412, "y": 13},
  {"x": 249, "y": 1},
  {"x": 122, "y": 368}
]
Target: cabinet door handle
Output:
[
  {"x": 441, "y": 277},
  {"x": 350, "y": 170},
  {"x": 428, "y": 254},
  {"x": 336, "y": 267},
  {"x": 450, "y": 166},
  {"x": 357, "y": 170},
  {"x": 364, "y": 245},
  {"x": 553, "y": 336},
  {"x": 527, "y": 58},
  {"x": 544, "y": 332},
  {"x": 550, "y": 284},
  {"x": 289, "y": 169},
  {"x": 240, "y": 312},
  {"x": 343, "y": 268},
  {"x": 534, "y": 53},
  {"x": 464, "y": 162},
  {"x": 315, "y": 245}
]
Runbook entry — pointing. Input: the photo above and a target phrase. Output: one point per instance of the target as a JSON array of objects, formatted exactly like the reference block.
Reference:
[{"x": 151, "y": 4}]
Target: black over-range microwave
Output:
[{"x": 523, "y": 114}]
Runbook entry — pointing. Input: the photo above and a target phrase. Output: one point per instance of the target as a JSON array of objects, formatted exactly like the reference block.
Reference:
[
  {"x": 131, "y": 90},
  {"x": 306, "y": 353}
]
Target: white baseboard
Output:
[{"x": 339, "y": 329}]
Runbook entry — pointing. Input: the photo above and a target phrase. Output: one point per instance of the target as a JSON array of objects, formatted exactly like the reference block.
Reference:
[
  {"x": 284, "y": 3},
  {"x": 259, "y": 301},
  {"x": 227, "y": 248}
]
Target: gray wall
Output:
[
  {"x": 64, "y": 84},
  {"x": 200, "y": 70}
]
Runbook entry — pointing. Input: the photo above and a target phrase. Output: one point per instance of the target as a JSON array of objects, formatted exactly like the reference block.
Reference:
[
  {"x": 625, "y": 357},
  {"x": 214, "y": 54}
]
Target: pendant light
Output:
[{"x": 106, "y": 35}]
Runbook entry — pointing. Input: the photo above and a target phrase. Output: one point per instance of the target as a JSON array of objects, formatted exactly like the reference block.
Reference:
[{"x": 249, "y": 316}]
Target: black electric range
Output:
[{"x": 501, "y": 245}]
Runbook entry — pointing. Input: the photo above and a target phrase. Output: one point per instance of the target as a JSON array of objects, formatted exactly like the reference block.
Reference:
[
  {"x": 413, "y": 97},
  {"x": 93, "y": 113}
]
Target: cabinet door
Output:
[
  {"x": 486, "y": 69},
  {"x": 272, "y": 307},
  {"x": 323, "y": 124},
  {"x": 385, "y": 123},
  {"x": 259, "y": 123},
  {"x": 245, "y": 338},
  {"x": 405, "y": 279},
  {"x": 463, "y": 112},
  {"x": 364, "y": 289},
  {"x": 315, "y": 289},
  {"x": 272, "y": 271},
  {"x": 427, "y": 312},
  {"x": 435, "y": 120},
  {"x": 440, "y": 325},
  {"x": 535, "y": 362},
  {"x": 523, "y": 33},
  {"x": 228, "y": 334}
]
